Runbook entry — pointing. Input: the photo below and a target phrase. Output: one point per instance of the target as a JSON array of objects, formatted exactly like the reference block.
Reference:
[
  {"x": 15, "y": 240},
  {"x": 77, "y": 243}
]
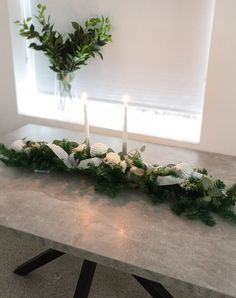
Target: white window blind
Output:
[{"x": 159, "y": 57}]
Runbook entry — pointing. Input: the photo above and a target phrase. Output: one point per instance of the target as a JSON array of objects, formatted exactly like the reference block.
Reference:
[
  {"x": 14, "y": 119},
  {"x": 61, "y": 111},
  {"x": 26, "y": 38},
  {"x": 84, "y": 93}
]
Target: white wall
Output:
[
  {"x": 219, "y": 125},
  {"x": 219, "y": 120},
  {"x": 8, "y": 111}
]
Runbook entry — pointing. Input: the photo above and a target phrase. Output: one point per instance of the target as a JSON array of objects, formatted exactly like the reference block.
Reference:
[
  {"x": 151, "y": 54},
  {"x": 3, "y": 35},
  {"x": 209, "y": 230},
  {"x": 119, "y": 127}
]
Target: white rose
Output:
[
  {"x": 113, "y": 158},
  {"x": 80, "y": 148}
]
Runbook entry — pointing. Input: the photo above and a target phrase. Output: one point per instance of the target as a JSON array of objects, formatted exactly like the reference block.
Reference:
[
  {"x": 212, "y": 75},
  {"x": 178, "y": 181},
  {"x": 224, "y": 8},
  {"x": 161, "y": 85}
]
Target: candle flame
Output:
[
  {"x": 126, "y": 99},
  {"x": 84, "y": 97}
]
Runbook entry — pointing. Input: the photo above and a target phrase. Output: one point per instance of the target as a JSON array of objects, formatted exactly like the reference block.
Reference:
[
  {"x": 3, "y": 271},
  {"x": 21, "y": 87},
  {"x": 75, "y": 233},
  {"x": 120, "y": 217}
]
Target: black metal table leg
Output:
[
  {"x": 38, "y": 261},
  {"x": 85, "y": 279},
  {"x": 155, "y": 289}
]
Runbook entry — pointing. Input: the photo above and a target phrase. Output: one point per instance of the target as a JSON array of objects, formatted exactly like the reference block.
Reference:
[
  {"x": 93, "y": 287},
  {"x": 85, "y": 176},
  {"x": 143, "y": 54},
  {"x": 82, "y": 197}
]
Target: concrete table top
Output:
[{"x": 128, "y": 232}]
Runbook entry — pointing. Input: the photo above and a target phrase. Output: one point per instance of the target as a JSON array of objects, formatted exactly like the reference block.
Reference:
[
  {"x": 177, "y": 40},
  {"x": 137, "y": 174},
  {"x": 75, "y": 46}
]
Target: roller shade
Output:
[{"x": 158, "y": 56}]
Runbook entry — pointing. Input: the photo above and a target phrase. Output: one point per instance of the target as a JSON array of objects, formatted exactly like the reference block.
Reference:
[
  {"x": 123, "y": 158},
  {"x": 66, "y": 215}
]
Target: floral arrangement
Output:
[
  {"x": 66, "y": 52},
  {"x": 189, "y": 192}
]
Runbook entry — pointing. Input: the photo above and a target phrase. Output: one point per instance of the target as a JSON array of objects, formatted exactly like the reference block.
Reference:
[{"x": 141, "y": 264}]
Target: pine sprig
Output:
[
  {"x": 108, "y": 180},
  {"x": 206, "y": 218},
  {"x": 228, "y": 214}
]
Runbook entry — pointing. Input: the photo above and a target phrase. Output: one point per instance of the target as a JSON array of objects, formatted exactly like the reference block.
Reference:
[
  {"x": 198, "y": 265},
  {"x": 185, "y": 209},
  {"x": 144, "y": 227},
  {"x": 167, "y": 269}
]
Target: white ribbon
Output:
[
  {"x": 168, "y": 180},
  {"x": 184, "y": 170},
  {"x": 84, "y": 164},
  {"x": 61, "y": 154}
]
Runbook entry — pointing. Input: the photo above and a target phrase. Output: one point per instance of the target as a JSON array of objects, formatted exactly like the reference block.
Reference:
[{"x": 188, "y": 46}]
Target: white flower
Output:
[
  {"x": 123, "y": 165},
  {"x": 98, "y": 149},
  {"x": 112, "y": 158},
  {"x": 80, "y": 148}
]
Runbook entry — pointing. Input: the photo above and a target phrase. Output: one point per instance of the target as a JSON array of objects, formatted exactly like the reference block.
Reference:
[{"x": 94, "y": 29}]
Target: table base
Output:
[{"x": 155, "y": 289}]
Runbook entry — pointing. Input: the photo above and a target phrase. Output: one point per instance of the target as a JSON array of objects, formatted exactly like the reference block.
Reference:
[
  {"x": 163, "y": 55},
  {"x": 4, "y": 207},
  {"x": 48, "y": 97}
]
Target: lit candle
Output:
[
  {"x": 86, "y": 125},
  {"x": 125, "y": 130}
]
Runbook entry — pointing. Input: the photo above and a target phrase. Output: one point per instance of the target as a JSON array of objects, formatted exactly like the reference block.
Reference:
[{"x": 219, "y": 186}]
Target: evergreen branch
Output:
[{"x": 228, "y": 214}]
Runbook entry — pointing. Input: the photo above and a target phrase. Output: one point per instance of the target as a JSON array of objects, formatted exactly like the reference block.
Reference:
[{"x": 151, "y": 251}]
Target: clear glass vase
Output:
[{"x": 65, "y": 88}]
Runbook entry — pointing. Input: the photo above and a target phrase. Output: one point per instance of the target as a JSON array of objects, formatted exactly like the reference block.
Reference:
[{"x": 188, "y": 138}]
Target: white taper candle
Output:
[
  {"x": 86, "y": 124},
  {"x": 125, "y": 128}
]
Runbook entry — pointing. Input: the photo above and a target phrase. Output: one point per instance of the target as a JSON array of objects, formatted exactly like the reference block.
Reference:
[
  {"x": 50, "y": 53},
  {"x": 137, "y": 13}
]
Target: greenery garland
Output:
[{"x": 196, "y": 196}]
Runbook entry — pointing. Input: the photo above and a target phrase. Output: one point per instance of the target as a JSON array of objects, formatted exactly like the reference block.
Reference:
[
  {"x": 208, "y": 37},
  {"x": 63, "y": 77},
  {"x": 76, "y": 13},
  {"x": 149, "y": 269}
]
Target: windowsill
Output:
[{"x": 158, "y": 123}]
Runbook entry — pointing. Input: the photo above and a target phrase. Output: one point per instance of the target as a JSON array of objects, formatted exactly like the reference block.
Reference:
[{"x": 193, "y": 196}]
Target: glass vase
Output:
[{"x": 65, "y": 88}]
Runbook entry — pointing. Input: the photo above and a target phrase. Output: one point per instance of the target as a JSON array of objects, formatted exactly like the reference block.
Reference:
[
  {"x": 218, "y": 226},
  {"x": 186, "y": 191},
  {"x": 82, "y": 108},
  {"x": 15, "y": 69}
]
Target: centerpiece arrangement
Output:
[
  {"x": 66, "y": 52},
  {"x": 189, "y": 192}
]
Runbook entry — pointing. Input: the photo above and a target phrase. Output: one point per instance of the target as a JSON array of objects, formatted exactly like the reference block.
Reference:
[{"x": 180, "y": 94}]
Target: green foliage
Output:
[
  {"x": 12, "y": 158},
  {"x": 202, "y": 171},
  {"x": 228, "y": 214},
  {"x": 108, "y": 180},
  {"x": 83, "y": 154},
  {"x": 66, "y": 52},
  {"x": 194, "y": 198},
  {"x": 66, "y": 145},
  {"x": 41, "y": 158},
  {"x": 231, "y": 192}
]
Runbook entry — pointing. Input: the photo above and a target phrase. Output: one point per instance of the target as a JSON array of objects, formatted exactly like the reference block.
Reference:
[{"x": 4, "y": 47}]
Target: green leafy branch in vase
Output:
[{"x": 66, "y": 52}]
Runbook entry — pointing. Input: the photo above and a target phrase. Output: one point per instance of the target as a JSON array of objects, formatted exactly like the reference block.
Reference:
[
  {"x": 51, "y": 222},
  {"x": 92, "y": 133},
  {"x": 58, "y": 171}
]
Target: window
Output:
[{"x": 159, "y": 57}]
